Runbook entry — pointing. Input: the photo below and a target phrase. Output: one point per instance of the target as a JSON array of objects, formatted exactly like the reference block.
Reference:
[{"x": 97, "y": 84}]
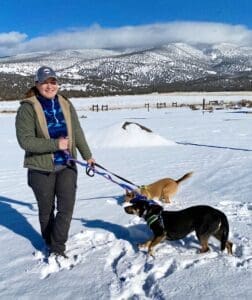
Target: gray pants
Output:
[{"x": 48, "y": 187}]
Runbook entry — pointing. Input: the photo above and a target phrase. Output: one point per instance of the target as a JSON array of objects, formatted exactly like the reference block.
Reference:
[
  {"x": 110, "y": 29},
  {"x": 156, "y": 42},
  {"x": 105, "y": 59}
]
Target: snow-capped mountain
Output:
[{"x": 171, "y": 67}]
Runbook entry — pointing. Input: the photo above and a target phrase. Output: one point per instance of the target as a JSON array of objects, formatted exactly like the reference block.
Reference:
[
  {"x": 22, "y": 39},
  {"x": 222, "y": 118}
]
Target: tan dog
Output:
[{"x": 162, "y": 189}]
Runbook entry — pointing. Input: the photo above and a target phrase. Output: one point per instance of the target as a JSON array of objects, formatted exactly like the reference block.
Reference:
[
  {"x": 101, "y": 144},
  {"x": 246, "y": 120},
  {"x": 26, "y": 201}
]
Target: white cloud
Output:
[
  {"x": 10, "y": 41},
  {"x": 11, "y": 38},
  {"x": 128, "y": 36}
]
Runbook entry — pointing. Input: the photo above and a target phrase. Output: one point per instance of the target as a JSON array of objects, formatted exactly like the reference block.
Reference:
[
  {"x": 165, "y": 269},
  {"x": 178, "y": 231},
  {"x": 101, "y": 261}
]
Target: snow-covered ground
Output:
[
  {"x": 104, "y": 261},
  {"x": 141, "y": 101}
]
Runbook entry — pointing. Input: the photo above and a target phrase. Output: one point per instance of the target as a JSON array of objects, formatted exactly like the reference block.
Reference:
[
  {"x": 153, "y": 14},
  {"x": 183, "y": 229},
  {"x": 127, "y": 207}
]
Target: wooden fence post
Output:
[
  {"x": 147, "y": 105},
  {"x": 95, "y": 107},
  {"x": 104, "y": 107}
]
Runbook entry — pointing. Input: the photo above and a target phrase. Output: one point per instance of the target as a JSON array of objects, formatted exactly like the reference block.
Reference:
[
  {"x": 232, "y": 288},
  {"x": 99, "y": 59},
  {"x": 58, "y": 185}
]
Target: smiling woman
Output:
[{"x": 47, "y": 126}]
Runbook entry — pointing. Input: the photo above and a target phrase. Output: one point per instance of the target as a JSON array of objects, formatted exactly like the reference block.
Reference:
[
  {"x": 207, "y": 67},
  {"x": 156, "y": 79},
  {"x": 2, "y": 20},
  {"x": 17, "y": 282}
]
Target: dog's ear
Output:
[{"x": 128, "y": 193}]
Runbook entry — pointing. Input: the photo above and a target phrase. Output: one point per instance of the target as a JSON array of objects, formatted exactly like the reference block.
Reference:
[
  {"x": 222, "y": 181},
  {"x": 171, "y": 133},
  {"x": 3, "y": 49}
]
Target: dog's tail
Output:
[
  {"x": 224, "y": 231},
  {"x": 187, "y": 175}
]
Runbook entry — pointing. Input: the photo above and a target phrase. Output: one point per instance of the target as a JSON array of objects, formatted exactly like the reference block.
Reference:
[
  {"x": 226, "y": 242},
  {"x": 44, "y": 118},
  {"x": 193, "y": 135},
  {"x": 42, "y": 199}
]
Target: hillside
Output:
[{"x": 99, "y": 72}]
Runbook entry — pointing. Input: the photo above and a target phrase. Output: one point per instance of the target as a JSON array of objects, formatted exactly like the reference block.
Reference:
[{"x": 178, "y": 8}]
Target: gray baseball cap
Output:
[{"x": 43, "y": 73}]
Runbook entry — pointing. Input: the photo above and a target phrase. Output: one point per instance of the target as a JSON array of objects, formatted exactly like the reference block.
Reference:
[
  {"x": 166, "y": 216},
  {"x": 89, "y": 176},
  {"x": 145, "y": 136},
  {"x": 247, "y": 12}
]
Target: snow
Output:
[
  {"x": 139, "y": 101},
  {"x": 104, "y": 262}
]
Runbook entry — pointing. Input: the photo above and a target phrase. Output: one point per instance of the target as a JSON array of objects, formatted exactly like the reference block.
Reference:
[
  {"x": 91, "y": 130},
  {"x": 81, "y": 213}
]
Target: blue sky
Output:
[{"x": 25, "y": 23}]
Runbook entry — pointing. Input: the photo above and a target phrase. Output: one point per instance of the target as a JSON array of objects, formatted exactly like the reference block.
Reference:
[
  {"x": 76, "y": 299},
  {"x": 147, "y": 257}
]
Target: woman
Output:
[{"x": 46, "y": 126}]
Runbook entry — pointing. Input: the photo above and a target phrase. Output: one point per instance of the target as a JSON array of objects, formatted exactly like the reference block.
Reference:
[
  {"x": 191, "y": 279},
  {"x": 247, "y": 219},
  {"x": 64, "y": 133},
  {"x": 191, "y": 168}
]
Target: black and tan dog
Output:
[{"x": 205, "y": 220}]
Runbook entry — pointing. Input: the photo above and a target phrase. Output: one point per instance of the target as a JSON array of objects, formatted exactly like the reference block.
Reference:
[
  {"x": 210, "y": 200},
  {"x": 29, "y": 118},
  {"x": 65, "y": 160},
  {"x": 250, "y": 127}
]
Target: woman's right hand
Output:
[{"x": 63, "y": 143}]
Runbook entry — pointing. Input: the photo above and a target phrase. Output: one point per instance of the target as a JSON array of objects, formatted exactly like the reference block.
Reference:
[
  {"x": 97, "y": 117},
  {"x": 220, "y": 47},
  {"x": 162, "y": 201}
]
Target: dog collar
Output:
[{"x": 145, "y": 188}]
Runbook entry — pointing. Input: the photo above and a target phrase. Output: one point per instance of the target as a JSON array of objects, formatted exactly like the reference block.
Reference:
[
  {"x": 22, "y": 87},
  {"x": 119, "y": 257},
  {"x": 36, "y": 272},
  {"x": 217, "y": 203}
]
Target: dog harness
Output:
[
  {"x": 156, "y": 218},
  {"x": 153, "y": 218}
]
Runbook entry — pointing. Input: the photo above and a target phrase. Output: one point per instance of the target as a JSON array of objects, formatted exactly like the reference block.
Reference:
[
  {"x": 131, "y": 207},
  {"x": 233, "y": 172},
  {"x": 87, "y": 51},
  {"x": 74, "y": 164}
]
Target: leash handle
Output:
[{"x": 90, "y": 170}]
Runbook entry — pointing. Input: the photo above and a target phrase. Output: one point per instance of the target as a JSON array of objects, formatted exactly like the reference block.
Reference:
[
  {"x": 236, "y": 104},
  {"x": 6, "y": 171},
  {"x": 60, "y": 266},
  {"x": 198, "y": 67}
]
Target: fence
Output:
[
  {"x": 95, "y": 107},
  {"x": 158, "y": 105}
]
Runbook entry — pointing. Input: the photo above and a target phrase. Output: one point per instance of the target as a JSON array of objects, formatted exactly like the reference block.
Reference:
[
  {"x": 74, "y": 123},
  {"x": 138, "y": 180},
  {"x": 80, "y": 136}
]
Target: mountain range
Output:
[{"x": 99, "y": 72}]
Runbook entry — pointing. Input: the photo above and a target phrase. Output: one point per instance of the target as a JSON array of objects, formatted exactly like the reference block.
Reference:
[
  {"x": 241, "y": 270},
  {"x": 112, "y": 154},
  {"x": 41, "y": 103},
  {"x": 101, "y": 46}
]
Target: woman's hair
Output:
[{"x": 33, "y": 91}]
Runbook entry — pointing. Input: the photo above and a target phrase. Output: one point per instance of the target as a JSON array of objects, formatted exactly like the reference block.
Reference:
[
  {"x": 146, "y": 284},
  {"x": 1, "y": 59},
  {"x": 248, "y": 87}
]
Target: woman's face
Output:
[{"x": 48, "y": 88}]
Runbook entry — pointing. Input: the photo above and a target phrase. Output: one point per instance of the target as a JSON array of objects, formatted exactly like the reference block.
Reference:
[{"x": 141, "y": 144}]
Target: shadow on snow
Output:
[
  {"x": 13, "y": 220},
  {"x": 132, "y": 234}
]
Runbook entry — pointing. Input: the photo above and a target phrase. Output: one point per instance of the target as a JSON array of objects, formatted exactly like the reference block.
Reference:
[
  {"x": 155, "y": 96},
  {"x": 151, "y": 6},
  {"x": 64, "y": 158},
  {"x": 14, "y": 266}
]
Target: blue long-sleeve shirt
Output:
[{"x": 56, "y": 124}]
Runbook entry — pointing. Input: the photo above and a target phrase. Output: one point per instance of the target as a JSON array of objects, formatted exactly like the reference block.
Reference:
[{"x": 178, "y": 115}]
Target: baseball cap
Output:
[{"x": 43, "y": 73}]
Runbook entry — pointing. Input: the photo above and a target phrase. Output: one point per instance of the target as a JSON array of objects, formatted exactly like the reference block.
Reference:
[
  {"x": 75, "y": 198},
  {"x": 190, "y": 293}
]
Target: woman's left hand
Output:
[{"x": 91, "y": 162}]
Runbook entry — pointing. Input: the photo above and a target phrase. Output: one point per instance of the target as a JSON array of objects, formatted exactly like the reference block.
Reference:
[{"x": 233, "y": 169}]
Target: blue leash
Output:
[{"x": 91, "y": 171}]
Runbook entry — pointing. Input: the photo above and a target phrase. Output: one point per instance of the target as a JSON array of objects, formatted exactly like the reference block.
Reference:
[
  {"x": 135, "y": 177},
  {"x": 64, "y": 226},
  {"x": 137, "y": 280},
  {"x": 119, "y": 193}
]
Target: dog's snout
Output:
[{"x": 128, "y": 209}]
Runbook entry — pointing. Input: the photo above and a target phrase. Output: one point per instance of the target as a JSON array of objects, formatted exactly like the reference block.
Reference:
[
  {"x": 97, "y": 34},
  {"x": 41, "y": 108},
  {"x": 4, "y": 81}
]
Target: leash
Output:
[
  {"x": 126, "y": 180},
  {"x": 91, "y": 171}
]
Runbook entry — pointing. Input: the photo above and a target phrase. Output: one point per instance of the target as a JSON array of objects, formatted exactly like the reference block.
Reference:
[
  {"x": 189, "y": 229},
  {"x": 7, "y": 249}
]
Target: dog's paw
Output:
[
  {"x": 144, "y": 245},
  {"x": 204, "y": 250},
  {"x": 151, "y": 253},
  {"x": 141, "y": 246}
]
